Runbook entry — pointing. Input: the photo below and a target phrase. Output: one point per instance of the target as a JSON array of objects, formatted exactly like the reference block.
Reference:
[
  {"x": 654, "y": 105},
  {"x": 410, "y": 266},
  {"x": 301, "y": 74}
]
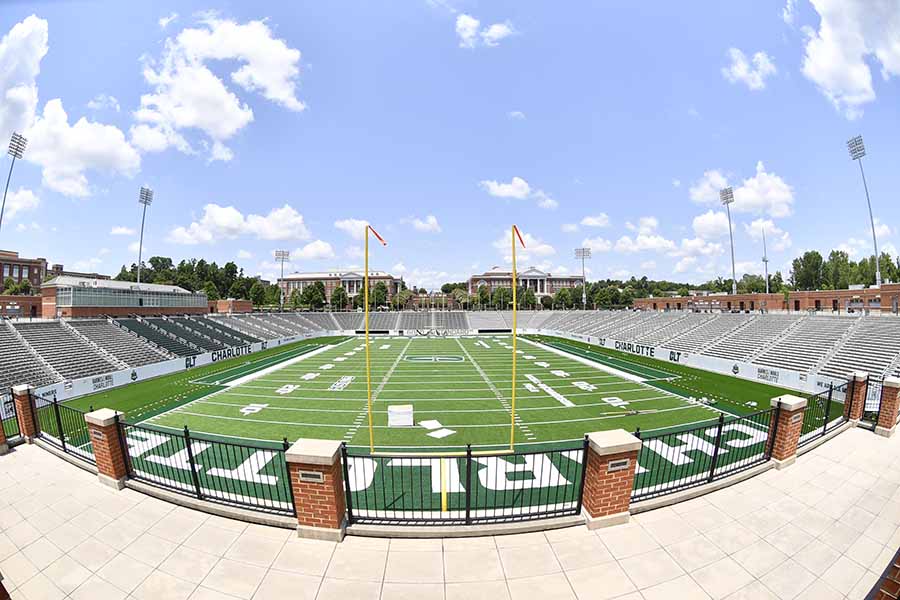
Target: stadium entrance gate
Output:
[{"x": 872, "y": 408}]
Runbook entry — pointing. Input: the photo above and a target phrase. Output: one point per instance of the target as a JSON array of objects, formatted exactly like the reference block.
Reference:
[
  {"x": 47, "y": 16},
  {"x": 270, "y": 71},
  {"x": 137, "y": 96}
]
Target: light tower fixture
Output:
[
  {"x": 726, "y": 196},
  {"x": 282, "y": 256},
  {"x": 583, "y": 254},
  {"x": 17, "y": 144},
  {"x": 145, "y": 198},
  {"x": 857, "y": 150}
]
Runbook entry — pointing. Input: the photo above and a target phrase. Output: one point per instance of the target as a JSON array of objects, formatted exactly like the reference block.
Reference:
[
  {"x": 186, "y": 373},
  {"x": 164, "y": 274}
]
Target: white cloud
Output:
[
  {"x": 496, "y": 32},
  {"x": 697, "y": 247},
  {"x": 467, "y": 30},
  {"x": 545, "y": 201},
  {"x": 789, "y": 11},
  {"x": 776, "y": 238},
  {"x": 227, "y": 222},
  {"x": 427, "y": 225},
  {"x": 648, "y": 265},
  {"x": 66, "y": 151},
  {"x": 165, "y": 21},
  {"x": 764, "y": 193},
  {"x": 133, "y": 248},
  {"x": 569, "y": 227},
  {"x": 685, "y": 264},
  {"x": 187, "y": 95},
  {"x": 676, "y": 183},
  {"x": 21, "y": 52},
  {"x": 711, "y": 225},
  {"x": 89, "y": 264},
  {"x": 645, "y": 225},
  {"x": 516, "y": 115},
  {"x": 355, "y": 252},
  {"x": 534, "y": 247},
  {"x": 882, "y": 230},
  {"x": 851, "y": 35},
  {"x": 122, "y": 230},
  {"x": 597, "y": 244},
  {"x": 355, "y": 228},
  {"x": 104, "y": 101},
  {"x": 399, "y": 269},
  {"x": 469, "y": 36},
  {"x": 315, "y": 250},
  {"x": 244, "y": 254},
  {"x": 753, "y": 76},
  {"x": 599, "y": 220},
  {"x": 20, "y": 200},
  {"x": 517, "y": 188}
]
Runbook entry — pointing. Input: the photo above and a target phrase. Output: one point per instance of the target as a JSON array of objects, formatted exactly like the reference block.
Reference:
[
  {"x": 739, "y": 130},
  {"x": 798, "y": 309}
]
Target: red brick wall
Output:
[
  {"x": 319, "y": 504},
  {"x": 608, "y": 493},
  {"x": 787, "y": 434},
  {"x": 108, "y": 451},
  {"x": 853, "y": 406},
  {"x": 25, "y": 415},
  {"x": 887, "y": 415}
]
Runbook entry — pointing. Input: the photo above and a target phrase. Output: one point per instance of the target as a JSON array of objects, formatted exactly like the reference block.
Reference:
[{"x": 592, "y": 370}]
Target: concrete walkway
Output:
[{"x": 824, "y": 528}]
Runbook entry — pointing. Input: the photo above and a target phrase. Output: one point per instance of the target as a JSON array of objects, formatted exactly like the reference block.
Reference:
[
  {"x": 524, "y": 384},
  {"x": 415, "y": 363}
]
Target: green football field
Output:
[{"x": 459, "y": 389}]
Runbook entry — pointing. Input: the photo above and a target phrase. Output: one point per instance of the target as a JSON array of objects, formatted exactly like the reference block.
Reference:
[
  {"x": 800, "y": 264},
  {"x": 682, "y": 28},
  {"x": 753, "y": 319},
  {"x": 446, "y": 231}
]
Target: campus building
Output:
[
  {"x": 543, "y": 284},
  {"x": 22, "y": 269},
  {"x": 885, "y": 299},
  {"x": 67, "y": 296},
  {"x": 351, "y": 281}
]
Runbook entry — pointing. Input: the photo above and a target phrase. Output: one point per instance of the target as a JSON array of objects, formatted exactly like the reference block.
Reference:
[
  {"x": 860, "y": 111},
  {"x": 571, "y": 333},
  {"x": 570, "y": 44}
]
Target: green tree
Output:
[
  {"x": 339, "y": 298},
  {"x": 210, "y": 290},
  {"x": 295, "y": 299},
  {"x": 502, "y": 298},
  {"x": 546, "y": 302},
  {"x": 257, "y": 293},
  {"x": 806, "y": 272},
  {"x": 484, "y": 295},
  {"x": 378, "y": 296},
  {"x": 776, "y": 283},
  {"x": 836, "y": 271},
  {"x": 563, "y": 298}
]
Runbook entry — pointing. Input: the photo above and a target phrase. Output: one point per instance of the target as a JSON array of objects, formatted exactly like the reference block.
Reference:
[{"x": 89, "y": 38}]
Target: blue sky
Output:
[{"x": 271, "y": 125}]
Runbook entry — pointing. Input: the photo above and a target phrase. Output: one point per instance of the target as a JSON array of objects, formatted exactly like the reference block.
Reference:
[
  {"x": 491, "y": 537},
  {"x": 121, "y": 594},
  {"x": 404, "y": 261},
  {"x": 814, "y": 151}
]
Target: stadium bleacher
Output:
[
  {"x": 872, "y": 346},
  {"x": 126, "y": 347},
  {"x": 349, "y": 321},
  {"x": 226, "y": 333},
  {"x": 68, "y": 354},
  {"x": 756, "y": 335},
  {"x": 410, "y": 320},
  {"x": 159, "y": 337},
  {"x": 807, "y": 343},
  {"x": 17, "y": 363}
]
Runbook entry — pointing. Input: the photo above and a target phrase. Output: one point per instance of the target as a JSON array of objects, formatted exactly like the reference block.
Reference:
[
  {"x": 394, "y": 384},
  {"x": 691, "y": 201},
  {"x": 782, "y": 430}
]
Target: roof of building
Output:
[
  {"x": 334, "y": 274},
  {"x": 530, "y": 272},
  {"x": 70, "y": 281}
]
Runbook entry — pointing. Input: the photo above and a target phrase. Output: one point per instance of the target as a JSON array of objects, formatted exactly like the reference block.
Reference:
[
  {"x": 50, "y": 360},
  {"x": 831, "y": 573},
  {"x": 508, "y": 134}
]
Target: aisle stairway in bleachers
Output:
[
  {"x": 19, "y": 362},
  {"x": 157, "y": 336},
  {"x": 68, "y": 354},
  {"x": 128, "y": 348},
  {"x": 805, "y": 344},
  {"x": 761, "y": 332},
  {"x": 872, "y": 347}
]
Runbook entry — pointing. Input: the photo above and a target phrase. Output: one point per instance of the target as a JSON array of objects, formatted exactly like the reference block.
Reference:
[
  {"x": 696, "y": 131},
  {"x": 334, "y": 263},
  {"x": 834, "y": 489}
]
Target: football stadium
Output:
[{"x": 449, "y": 300}]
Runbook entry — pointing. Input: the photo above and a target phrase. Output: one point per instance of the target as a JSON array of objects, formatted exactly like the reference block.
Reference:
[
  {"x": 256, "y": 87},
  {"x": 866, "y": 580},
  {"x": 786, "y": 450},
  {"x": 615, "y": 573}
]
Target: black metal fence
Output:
[
  {"x": 208, "y": 468},
  {"x": 65, "y": 428},
  {"x": 872, "y": 406},
  {"x": 406, "y": 489},
  {"x": 9, "y": 419},
  {"x": 677, "y": 460},
  {"x": 824, "y": 412}
]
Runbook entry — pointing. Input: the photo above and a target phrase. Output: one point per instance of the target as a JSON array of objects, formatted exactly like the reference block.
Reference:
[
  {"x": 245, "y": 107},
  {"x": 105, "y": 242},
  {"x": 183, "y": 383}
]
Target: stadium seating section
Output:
[{"x": 42, "y": 352}]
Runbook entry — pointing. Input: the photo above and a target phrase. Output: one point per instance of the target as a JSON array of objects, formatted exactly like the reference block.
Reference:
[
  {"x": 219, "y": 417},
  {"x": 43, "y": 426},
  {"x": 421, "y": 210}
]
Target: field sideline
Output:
[{"x": 459, "y": 388}]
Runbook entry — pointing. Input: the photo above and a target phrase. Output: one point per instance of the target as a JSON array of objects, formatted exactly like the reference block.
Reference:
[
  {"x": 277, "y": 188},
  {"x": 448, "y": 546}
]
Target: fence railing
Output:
[
  {"x": 207, "y": 468},
  {"x": 823, "y": 413},
  {"x": 677, "y": 460},
  {"x": 65, "y": 428},
  {"x": 9, "y": 419},
  {"x": 872, "y": 406},
  {"x": 407, "y": 489}
]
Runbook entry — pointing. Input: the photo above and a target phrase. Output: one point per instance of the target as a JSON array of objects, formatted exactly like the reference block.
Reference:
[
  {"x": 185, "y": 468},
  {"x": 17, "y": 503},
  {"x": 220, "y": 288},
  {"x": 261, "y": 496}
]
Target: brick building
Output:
[
  {"x": 885, "y": 299},
  {"x": 543, "y": 284},
  {"x": 351, "y": 281},
  {"x": 22, "y": 269},
  {"x": 68, "y": 296},
  {"x": 20, "y": 306}
]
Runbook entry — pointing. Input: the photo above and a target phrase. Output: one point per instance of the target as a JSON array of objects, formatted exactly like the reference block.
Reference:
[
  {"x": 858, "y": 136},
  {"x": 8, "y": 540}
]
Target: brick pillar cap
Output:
[
  {"x": 789, "y": 402},
  {"x": 893, "y": 382},
  {"x": 24, "y": 388},
  {"x": 313, "y": 452},
  {"x": 614, "y": 441},
  {"x": 860, "y": 375},
  {"x": 103, "y": 417}
]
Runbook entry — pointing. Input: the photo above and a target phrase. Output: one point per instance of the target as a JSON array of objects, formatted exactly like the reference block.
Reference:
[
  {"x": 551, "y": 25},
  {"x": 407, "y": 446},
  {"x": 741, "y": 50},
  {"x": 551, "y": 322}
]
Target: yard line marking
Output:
[{"x": 359, "y": 420}]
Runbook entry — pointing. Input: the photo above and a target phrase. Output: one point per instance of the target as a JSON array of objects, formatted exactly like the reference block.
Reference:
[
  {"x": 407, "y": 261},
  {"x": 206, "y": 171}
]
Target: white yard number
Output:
[
  {"x": 584, "y": 385},
  {"x": 286, "y": 389},
  {"x": 252, "y": 409},
  {"x": 541, "y": 469}
]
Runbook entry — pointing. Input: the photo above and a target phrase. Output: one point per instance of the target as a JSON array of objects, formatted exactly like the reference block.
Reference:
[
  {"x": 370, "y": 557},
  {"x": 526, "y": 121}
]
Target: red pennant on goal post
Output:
[
  {"x": 380, "y": 239},
  {"x": 519, "y": 235}
]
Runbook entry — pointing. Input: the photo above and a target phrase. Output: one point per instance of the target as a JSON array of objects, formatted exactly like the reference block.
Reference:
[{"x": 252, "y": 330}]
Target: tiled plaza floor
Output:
[{"x": 824, "y": 528}]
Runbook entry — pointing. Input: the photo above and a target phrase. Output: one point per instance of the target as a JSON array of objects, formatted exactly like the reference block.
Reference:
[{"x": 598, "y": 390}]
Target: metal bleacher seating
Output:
[
  {"x": 321, "y": 321},
  {"x": 18, "y": 365},
  {"x": 410, "y": 320},
  {"x": 159, "y": 337},
  {"x": 758, "y": 333},
  {"x": 872, "y": 346},
  {"x": 806, "y": 343},
  {"x": 349, "y": 321},
  {"x": 68, "y": 354},
  {"x": 233, "y": 335},
  {"x": 487, "y": 319},
  {"x": 126, "y": 347},
  {"x": 700, "y": 337}
]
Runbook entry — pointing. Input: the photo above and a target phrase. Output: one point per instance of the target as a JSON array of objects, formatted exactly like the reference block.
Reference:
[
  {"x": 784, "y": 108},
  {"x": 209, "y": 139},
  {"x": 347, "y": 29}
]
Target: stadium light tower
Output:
[
  {"x": 16, "y": 150},
  {"x": 282, "y": 256},
  {"x": 583, "y": 253},
  {"x": 765, "y": 259},
  {"x": 146, "y": 198},
  {"x": 857, "y": 151},
  {"x": 726, "y": 195}
]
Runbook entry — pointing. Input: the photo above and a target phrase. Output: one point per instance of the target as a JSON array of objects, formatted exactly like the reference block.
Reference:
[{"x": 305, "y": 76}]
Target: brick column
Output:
[
  {"x": 106, "y": 440},
  {"x": 318, "y": 484},
  {"x": 855, "y": 402},
  {"x": 890, "y": 402},
  {"x": 609, "y": 477},
  {"x": 787, "y": 429},
  {"x": 25, "y": 415},
  {"x": 4, "y": 447}
]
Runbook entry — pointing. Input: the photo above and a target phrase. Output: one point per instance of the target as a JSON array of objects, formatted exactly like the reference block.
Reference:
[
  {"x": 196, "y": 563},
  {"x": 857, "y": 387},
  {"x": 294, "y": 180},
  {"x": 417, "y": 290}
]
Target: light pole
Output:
[
  {"x": 765, "y": 259},
  {"x": 726, "y": 195},
  {"x": 17, "y": 145},
  {"x": 282, "y": 256},
  {"x": 146, "y": 199},
  {"x": 583, "y": 253},
  {"x": 857, "y": 151}
]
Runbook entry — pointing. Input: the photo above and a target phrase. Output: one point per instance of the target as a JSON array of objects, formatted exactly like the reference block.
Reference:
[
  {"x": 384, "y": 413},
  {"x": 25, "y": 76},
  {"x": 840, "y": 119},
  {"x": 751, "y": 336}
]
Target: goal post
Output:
[{"x": 514, "y": 233}]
